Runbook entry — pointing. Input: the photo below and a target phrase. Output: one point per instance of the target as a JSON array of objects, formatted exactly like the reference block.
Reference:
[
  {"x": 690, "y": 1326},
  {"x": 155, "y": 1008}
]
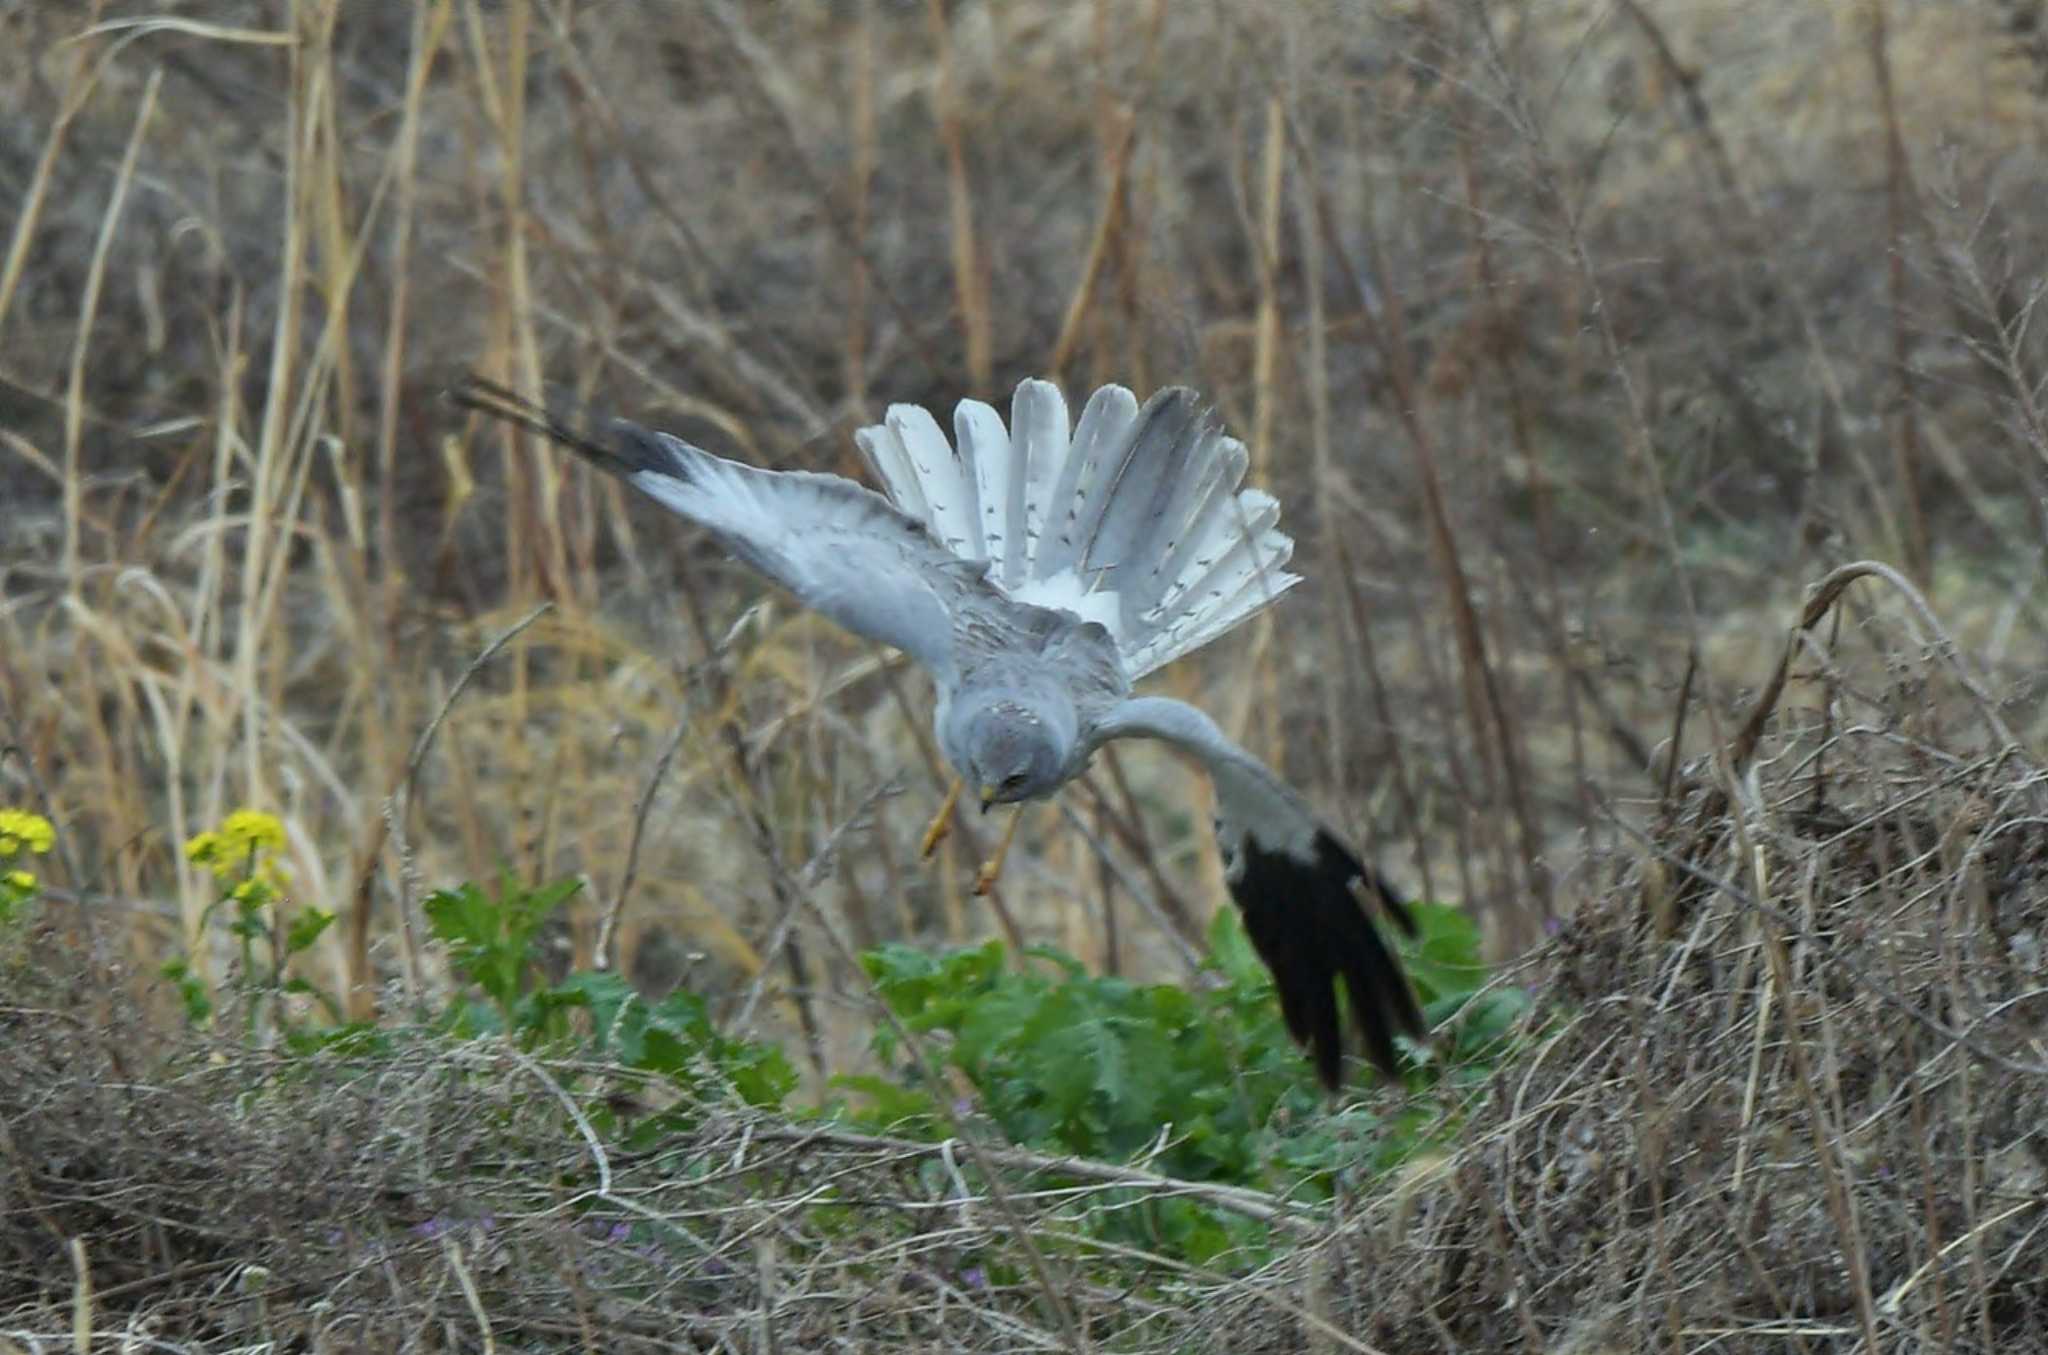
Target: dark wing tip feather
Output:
[
  {"x": 1307, "y": 920},
  {"x": 616, "y": 445},
  {"x": 1374, "y": 883}
]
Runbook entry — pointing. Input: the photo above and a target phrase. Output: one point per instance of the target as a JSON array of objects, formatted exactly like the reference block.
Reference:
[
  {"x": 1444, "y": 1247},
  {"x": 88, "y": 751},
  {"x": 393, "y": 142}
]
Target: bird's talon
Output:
[
  {"x": 941, "y": 824},
  {"x": 992, "y": 869}
]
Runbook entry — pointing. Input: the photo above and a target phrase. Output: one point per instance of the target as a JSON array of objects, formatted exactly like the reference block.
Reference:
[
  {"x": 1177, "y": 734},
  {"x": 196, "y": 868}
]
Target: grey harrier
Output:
[{"x": 1037, "y": 572}]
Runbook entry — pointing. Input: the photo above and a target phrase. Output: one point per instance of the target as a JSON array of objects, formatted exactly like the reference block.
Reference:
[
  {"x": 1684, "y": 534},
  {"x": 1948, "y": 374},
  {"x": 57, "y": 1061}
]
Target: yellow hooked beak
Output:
[{"x": 988, "y": 797}]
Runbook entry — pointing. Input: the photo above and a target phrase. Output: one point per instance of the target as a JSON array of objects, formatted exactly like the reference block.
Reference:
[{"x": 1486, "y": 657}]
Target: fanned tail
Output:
[{"x": 1134, "y": 519}]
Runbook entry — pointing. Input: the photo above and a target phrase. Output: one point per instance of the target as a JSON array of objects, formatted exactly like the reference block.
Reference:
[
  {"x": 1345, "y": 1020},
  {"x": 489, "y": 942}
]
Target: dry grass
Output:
[
  {"x": 433, "y": 1195},
  {"x": 1790, "y": 1099},
  {"x": 1576, "y": 339},
  {"x": 1785, "y": 1097}
]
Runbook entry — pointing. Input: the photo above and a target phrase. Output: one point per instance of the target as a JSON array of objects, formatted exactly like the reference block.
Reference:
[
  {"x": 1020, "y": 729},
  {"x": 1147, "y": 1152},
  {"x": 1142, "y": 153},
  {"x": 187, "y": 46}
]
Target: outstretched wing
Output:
[
  {"x": 1301, "y": 891},
  {"x": 843, "y": 550}
]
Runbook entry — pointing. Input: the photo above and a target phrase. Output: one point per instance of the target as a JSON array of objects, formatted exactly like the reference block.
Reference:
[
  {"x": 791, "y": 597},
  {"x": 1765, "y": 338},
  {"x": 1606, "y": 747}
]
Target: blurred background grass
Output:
[{"x": 1576, "y": 340}]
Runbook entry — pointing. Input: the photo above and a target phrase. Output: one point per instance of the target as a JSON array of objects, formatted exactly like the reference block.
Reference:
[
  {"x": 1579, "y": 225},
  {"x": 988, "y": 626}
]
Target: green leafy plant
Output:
[
  {"x": 490, "y": 940},
  {"x": 244, "y": 859},
  {"x": 673, "y": 1037},
  {"x": 1202, "y": 1083},
  {"x": 491, "y": 943}
]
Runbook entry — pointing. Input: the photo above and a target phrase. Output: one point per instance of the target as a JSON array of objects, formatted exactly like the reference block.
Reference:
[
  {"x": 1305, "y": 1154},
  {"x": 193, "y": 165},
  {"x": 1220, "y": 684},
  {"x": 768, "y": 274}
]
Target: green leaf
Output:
[
  {"x": 891, "y": 1106},
  {"x": 1485, "y": 1020},
  {"x": 1446, "y": 960},
  {"x": 192, "y": 994},
  {"x": 1059, "y": 959},
  {"x": 760, "y": 1073},
  {"x": 490, "y": 940},
  {"x": 606, "y": 995},
  {"x": 306, "y": 929},
  {"x": 673, "y": 1037},
  {"x": 249, "y": 923},
  {"x": 1231, "y": 951},
  {"x": 351, "y": 1039}
]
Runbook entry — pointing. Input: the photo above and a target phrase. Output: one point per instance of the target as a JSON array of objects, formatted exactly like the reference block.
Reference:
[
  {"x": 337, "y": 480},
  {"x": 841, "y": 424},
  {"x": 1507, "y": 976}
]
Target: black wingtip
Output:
[
  {"x": 1306, "y": 917},
  {"x": 485, "y": 396},
  {"x": 614, "y": 444}
]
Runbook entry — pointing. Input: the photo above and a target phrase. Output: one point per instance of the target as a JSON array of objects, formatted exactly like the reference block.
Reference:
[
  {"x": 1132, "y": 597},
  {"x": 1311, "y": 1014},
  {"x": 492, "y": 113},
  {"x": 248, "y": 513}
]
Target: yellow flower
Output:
[
  {"x": 248, "y": 828},
  {"x": 238, "y": 847},
  {"x": 20, "y": 881},
  {"x": 19, "y": 828}
]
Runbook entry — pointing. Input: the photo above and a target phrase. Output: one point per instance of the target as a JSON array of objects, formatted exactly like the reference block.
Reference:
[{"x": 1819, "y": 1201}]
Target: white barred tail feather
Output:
[{"x": 1134, "y": 517}]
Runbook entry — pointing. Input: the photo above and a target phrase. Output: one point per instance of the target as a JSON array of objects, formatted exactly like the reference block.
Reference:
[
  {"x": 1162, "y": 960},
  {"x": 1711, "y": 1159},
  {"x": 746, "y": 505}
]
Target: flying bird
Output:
[{"x": 1036, "y": 572}]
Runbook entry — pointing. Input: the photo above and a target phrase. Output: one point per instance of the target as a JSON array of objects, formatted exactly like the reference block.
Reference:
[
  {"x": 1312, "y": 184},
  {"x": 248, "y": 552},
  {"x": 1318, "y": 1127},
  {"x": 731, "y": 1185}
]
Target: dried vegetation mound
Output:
[
  {"x": 437, "y": 1196},
  {"x": 1794, "y": 1092}
]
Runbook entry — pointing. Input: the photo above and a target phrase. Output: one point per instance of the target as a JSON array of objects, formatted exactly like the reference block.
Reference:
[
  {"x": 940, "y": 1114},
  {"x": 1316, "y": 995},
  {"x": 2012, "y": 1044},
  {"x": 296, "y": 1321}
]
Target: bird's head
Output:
[{"x": 1008, "y": 751}]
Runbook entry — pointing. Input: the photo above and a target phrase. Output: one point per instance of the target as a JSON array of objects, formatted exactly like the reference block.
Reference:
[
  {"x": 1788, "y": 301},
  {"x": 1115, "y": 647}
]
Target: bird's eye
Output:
[{"x": 1015, "y": 781}]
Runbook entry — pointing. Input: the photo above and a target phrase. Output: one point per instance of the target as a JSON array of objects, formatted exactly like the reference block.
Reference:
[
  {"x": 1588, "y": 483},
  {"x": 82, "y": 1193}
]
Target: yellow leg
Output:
[
  {"x": 941, "y": 822},
  {"x": 985, "y": 878}
]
